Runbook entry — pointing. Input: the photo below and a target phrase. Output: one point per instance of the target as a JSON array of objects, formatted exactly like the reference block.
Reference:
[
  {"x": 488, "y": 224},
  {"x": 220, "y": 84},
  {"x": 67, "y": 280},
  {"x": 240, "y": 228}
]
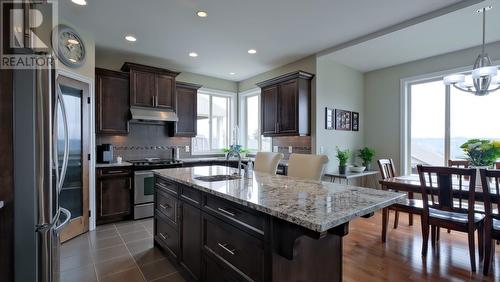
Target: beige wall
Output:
[
  {"x": 382, "y": 96},
  {"x": 113, "y": 59},
  {"x": 339, "y": 87}
]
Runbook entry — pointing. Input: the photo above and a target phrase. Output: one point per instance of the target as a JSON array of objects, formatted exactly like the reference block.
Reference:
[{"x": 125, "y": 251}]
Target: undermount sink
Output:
[{"x": 214, "y": 178}]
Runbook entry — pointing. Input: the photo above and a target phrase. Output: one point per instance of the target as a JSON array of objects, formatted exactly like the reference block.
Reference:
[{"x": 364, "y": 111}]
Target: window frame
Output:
[
  {"x": 405, "y": 113},
  {"x": 230, "y": 123},
  {"x": 243, "y": 122}
]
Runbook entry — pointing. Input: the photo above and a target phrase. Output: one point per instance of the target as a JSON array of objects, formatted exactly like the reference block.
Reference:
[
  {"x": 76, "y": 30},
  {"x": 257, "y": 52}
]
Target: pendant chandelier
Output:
[{"x": 484, "y": 78}]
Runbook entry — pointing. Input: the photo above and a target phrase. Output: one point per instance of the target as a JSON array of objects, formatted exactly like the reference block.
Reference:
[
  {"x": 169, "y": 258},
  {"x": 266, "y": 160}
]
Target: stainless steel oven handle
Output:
[
  {"x": 66, "y": 139},
  {"x": 145, "y": 173}
]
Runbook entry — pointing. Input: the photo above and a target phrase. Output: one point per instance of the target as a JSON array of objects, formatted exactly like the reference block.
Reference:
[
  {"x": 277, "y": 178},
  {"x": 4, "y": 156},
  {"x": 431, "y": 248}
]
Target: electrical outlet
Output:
[
  {"x": 187, "y": 149},
  {"x": 290, "y": 149},
  {"x": 321, "y": 150},
  {"x": 178, "y": 152},
  {"x": 275, "y": 149}
]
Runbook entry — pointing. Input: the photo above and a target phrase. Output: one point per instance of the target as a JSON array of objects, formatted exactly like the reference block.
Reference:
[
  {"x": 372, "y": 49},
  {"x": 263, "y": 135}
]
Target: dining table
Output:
[{"x": 411, "y": 183}]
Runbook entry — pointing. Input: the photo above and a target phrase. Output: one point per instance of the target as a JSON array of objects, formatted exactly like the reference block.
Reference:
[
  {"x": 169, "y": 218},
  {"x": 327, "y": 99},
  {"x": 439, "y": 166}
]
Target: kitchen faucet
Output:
[{"x": 235, "y": 152}]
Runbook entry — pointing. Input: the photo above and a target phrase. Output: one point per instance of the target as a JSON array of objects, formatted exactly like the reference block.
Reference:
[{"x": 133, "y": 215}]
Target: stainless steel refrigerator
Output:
[{"x": 41, "y": 148}]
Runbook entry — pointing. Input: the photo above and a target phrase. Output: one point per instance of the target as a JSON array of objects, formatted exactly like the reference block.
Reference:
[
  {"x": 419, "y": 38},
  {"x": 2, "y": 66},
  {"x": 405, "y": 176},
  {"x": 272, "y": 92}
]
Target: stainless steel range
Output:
[{"x": 144, "y": 184}]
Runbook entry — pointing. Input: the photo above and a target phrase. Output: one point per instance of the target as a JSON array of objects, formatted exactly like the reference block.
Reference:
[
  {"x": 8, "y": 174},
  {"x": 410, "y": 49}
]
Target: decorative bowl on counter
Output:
[{"x": 357, "y": 169}]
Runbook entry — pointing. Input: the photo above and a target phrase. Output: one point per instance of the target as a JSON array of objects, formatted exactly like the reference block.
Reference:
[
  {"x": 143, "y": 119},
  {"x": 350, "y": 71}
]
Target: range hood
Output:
[{"x": 145, "y": 114}]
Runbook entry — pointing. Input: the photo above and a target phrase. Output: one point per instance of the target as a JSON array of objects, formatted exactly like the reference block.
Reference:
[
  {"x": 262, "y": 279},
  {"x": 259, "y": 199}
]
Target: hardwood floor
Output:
[
  {"x": 366, "y": 258},
  {"x": 124, "y": 252}
]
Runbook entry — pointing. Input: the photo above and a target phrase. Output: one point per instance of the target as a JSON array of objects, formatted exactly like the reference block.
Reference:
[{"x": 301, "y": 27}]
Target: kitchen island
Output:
[{"x": 266, "y": 228}]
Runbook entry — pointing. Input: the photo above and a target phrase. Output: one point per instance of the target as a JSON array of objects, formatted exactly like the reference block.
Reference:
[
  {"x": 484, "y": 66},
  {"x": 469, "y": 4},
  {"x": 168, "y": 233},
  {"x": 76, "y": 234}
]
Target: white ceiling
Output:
[
  {"x": 451, "y": 32},
  {"x": 282, "y": 31}
]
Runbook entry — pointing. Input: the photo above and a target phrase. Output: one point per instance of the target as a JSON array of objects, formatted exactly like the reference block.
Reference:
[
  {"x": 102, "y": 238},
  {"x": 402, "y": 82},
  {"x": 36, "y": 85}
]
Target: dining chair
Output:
[
  {"x": 492, "y": 215},
  {"x": 451, "y": 190},
  {"x": 411, "y": 206},
  {"x": 307, "y": 166},
  {"x": 458, "y": 163},
  {"x": 267, "y": 162}
]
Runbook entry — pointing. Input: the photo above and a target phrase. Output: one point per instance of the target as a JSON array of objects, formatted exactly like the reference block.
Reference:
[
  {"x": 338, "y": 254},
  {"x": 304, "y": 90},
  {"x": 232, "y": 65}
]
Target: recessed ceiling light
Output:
[
  {"x": 80, "y": 2},
  {"x": 73, "y": 41},
  {"x": 193, "y": 54},
  {"x": 252, "y": 51},
  {"x": 130, "y": 38},
  {"x": 202, "y": 14},
  {"x": 487, "y": 8},
  {"x": 232, "y": 73}
]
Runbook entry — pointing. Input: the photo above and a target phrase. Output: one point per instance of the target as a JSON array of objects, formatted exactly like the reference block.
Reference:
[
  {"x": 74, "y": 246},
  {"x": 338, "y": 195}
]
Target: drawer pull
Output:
[
  {"x": 227, "y": 212},
  {"x": 114, "y": 171},
  {"x": 224, "y": 247},
  {"x": 164, "y": 206},
  {"x": 163, "y": 236}
]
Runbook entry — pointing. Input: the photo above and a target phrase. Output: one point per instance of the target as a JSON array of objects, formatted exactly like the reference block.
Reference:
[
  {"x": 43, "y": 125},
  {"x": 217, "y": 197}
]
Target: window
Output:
[
  {"x": 440, "y": 118},
  {"x": 214, "y": 121},
  {"x": 250, "y": 123}
]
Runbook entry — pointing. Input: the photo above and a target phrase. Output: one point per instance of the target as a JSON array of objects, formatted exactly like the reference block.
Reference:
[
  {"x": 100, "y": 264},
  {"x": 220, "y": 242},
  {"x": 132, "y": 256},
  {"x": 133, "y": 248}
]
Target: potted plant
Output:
[
  {"x": 481, "y": 153},
  {"x": 243, "y": 151},
  {"x": 343, "y": 156},
  {"x": 366, "y": 155}
]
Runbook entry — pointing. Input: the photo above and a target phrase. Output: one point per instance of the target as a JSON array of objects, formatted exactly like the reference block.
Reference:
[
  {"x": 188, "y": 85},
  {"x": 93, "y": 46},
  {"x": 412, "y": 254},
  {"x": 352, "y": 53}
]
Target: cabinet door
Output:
[
  {"x": 142, "y": 88},
  {"x": 113, "y": 199},
  {"x": 269, "y": 96},
  {"x": 165, "y": 91},
  {"x": 112, "y": 107},
  {"x": 287, "y": 107},
  {"x": 191, "y": 239},
  {"x": 186, "y": 112}
]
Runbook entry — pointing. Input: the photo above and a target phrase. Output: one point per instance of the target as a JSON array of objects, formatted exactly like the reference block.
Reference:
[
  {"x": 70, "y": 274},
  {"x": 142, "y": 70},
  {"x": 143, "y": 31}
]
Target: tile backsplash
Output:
[
  {"x": 146, "y": 141},
  {"x": 299, "y": 144}
]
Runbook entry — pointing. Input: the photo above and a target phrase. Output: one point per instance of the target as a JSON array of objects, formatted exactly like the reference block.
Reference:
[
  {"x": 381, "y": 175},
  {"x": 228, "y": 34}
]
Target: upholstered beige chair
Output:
[
  {"x": 267, "y": 162},
  {"x": 307, "y": 166}
]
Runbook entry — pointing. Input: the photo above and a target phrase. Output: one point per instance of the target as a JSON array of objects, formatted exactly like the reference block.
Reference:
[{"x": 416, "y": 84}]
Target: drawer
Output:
[
  {"x": 167, "y": 186},
  {"x": 113, "y": 171},
  {"x": 236, "y": 214},
  {"x": 166, "y": 236},
  {"x": 215, "y": 272},
  {"x": 167, "y": 205},
  {"x": 191, "y": 195},
  {"x": 233, "y": 247}
]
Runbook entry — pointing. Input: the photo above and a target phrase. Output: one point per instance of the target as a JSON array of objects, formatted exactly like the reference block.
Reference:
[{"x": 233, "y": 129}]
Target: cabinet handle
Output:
[
  {"x": 227, "y": 212},
  {"x": 224, "y": 247},
  {"x": 164, "y": 207},
  {"x": 156, "y": 101},
  {"x": 114, "y": 171},
  {"x": 163, "y": 236},
  {"x": 1, "y": 204}
]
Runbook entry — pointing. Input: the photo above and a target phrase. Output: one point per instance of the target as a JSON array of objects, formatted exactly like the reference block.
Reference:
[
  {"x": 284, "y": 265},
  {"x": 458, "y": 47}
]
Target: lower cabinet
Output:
[
  {"x": 191, "y": 239},
  {"x": 113, "y": 195},
  {"x": 166, "y": 235}
]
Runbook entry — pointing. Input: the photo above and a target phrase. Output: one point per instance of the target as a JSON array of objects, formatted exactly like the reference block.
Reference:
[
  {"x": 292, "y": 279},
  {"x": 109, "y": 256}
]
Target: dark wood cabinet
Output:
[
  {"x": 150, "y": 86},
  {"x": 191, "y": 239},
  {"x": 113, "y": 194},
  {"x": 286, "y": 105},
  {"x": 112, "y": 102},
  {"x": 186, "y": 109}
]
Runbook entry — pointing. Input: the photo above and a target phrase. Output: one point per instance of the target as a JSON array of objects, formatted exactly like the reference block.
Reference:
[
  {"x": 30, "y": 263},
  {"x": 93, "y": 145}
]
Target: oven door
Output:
[{"x": 143, "y": 187}]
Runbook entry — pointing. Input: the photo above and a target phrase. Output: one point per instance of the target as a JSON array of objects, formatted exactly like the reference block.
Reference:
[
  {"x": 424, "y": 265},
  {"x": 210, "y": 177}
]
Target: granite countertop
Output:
[
  {"x": 196, "y": 160},
  {"x": 318, "y": 206},
  {"x": 98, "y": 165}
]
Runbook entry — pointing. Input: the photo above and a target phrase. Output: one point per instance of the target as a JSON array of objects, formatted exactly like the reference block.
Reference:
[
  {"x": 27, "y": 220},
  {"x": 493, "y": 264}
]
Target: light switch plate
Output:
[
  {"x": 290, "y": 149},
  {"x": 187, "y": 149},
  {"x": 275, "y": 149}
]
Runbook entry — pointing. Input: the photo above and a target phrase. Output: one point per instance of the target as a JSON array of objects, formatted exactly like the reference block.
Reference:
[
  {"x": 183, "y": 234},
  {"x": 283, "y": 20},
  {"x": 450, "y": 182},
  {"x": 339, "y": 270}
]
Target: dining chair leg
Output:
[
  {"x": 433, "y": 236},
  {"x": 438, "y": 236},
  {"x": 410, "y": 219},
  {"x": 449, "y": 231},
  {"x": 396, "y": 219},
  {"x": 472, "y": 249},
  {"x": 385, "y": 220},
  {"x": 425, "y": 235}
]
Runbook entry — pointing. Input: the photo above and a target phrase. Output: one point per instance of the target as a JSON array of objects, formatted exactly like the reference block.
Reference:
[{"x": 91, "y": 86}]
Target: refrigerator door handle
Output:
[
  {"x": 66, "y": 139},
  {"x": 61, "y": 226}
]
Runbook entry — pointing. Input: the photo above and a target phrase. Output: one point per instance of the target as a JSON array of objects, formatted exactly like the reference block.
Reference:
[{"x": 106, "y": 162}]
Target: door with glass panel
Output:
[{"x": 74, "y": 194}]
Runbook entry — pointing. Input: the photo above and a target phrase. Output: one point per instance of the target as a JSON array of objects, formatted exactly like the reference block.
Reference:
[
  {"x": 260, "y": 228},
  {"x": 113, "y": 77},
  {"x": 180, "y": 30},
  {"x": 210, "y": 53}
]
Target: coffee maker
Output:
[{"x": 105, "y": 153}]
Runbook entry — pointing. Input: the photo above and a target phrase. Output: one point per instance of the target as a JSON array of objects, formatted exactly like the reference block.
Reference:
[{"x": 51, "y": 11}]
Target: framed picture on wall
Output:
[
  {"x": 342, "y": 120},
  {"x": 355, "y": 121},
  {"x": 329, "y": 119}
]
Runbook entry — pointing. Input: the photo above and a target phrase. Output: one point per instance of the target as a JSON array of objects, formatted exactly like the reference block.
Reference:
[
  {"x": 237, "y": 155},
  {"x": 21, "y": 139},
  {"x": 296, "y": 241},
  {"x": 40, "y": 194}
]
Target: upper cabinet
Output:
[
  {"x": 286, "y": 105},
  {"x": 151, "y": 87},
  {"x": 186, "y": 109},
  {"x": 112, "y": 107}
]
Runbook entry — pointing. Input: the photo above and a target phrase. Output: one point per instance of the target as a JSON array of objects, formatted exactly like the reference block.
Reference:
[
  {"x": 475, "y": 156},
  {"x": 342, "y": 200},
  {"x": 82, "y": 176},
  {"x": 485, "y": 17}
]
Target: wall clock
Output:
[{"x": 69, "y": 46}]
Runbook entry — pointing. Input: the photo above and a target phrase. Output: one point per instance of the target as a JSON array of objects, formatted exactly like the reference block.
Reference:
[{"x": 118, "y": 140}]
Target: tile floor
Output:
[{"x": 116, "y": 252}]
